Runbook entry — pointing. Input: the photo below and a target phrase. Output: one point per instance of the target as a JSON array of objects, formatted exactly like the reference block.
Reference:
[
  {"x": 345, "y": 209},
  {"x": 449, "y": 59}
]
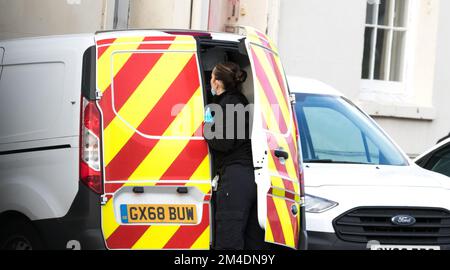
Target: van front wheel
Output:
[{"x": 19, "y": 235}]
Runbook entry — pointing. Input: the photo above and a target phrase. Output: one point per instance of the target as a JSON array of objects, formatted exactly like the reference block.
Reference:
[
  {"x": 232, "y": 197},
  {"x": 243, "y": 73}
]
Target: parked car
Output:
[
  {"x": 362, "y": 191},
  {"x": 436, "y": 159},
  {"x": 101, "y": 142}
]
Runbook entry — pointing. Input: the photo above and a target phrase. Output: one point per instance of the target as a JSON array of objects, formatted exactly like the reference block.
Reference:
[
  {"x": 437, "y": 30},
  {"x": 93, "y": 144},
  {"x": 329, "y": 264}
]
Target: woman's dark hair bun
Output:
[
  {"x": 241, "y": 76},
  {"x": 231, "y": 75}
]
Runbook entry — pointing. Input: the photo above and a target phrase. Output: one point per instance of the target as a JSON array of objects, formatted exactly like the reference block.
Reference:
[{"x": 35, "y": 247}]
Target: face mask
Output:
[{"x": 213, "y": 91}]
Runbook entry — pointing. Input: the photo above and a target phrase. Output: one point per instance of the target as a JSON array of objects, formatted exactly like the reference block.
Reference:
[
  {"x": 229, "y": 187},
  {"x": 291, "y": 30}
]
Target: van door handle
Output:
[{"x": 280, "y": 153}]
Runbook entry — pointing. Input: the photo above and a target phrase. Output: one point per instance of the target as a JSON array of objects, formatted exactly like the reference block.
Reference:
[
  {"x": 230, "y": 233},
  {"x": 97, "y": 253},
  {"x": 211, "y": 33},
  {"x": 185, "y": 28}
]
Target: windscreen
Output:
[{"x": 333, "y": 130}]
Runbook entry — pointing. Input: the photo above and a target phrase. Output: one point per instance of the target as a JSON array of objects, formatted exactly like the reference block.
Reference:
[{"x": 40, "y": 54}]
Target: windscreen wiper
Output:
[{"x": 335, "y": 161}]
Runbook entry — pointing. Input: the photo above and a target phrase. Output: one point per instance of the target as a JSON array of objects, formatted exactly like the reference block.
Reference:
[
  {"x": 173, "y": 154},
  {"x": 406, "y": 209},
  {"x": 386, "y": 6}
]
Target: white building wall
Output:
[
  {"x": 22, "y": 18},
  {"x": 324, "y": 39},
  {"x": 175, "y": 14},
  {"x": 416, "y": 136}
]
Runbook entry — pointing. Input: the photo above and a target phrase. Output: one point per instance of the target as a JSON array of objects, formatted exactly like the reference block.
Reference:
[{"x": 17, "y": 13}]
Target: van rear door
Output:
[
  {"x": 277, "y": 162},
  {"x": 155, "y": 160}
]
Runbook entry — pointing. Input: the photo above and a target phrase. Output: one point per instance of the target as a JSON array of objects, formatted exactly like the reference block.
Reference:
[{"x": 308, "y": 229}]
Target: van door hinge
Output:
[
  {"x": 292, "y": 98},
  {"x": 104, "y": 199},
  {"x": 98, "y": 95}
]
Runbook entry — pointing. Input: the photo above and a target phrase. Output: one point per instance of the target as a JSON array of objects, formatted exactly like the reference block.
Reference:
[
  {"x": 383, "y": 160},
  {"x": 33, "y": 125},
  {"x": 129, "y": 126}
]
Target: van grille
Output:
[{"x": 364, "y": 224}]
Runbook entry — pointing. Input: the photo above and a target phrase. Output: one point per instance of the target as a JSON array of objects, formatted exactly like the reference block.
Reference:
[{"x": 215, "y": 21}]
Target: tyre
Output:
[{"x": 19, "y": 234}]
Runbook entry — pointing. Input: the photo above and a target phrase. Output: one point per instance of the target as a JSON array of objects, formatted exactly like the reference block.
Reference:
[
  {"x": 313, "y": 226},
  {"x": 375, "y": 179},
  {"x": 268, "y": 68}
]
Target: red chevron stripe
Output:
[
  {"x": 289, "y": 186},
  {"x": 137, "y": 148},
  {"x": 262, "y": 77},
  {"x": 101, "y": 50},
  {"x": 263, "y": 40},
  {"x": 274, "y": 220},
  {"x": 124, "y": 237},
  {"x": 186, "y": 236},
  {"x": 112, "y": 187},
  {"x": 105, "y": 41}
]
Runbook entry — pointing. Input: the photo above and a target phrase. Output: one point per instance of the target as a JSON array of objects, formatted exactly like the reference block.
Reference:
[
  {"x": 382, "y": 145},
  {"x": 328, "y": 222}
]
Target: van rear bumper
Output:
[{"x": 79, "y": 229}]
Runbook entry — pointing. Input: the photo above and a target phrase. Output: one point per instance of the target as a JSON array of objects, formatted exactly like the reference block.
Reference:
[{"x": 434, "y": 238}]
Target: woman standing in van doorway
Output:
[{"x": 236, "y": 221}]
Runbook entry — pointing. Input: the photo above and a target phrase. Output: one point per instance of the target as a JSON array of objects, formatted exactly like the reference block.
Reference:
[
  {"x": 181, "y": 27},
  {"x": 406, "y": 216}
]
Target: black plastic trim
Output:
[
  {"x": 82, "y": 223},
  {"x": 36, "y": 149},
  {"x": 88, "y": 88}
]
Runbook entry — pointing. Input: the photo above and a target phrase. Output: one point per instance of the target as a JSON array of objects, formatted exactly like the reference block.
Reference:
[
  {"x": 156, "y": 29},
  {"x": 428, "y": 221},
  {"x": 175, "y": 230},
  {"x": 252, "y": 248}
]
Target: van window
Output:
[
  {"x": 334, "y": 131},
  {"x": 31, "y": 99},
  {"x": 440, "y": 162}
]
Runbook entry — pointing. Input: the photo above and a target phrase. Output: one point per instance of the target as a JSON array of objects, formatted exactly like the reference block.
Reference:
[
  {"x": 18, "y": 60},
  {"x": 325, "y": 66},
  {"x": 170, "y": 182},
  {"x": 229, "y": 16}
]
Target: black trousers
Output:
[{"x": 236, "y": 220}]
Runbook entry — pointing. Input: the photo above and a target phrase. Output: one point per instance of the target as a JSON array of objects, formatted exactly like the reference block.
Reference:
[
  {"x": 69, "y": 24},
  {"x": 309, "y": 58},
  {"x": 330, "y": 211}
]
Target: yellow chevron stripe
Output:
[
  {"x": 269, "y": 234},
  {"x": 277, "y": 90},
  {"x": 285, "y": 221},
  {"x": 156, "y": 237},
  {"x": 273, "y": 126},
  {"x": 279, "y": 193},
  {"x": 109, "y": 223},
  {"x": 203, "y": 241},
  {"x": 296, "y": 189},
  {"x": 166, "y": 151},
  {"x": 252, "y": 36},
  {"x": 142, "y": 101},
  {"x": 104, "y": 63},
  {"x": 203, "y": 171},
  {"x": 277, "y": 182},
  {"x": 298, "y": 215}
]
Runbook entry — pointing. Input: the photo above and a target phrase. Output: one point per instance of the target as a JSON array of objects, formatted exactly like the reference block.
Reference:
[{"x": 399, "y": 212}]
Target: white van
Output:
[
  {"x": 362, "y": 191},
  {"x": 101, "y": 140}
]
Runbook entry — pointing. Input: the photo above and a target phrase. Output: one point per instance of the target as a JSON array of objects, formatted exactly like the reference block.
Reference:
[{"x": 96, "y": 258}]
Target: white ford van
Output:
[
  {"x": 101, "y": 140},
  {"x": 362, "y": 191}
]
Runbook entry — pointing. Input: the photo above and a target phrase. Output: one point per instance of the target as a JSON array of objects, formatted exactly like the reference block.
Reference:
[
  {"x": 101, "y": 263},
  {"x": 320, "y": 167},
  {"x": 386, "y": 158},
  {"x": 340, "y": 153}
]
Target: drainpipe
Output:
[{"x": 121, "y": 14}]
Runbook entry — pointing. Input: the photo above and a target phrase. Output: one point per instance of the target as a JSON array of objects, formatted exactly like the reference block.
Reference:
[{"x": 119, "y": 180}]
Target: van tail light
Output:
[{"x": 90, "y": 151}]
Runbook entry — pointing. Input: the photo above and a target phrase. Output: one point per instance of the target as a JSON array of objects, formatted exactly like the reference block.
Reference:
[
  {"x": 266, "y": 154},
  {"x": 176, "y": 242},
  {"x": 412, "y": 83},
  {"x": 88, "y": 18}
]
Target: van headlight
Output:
[{"x": 315, "y": 204}]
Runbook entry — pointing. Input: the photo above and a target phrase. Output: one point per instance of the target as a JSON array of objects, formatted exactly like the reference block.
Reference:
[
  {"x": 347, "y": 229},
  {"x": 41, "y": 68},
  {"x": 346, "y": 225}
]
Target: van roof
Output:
[
  {"x": 310, "y": 86},
  {"x": 214, "y": 35},
  {"x": 47, "y": 37}
]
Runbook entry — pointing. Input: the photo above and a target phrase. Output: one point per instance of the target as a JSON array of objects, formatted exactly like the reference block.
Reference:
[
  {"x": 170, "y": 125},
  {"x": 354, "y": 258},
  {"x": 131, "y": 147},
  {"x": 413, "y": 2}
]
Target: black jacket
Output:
[{"x": 230, "y": 150}]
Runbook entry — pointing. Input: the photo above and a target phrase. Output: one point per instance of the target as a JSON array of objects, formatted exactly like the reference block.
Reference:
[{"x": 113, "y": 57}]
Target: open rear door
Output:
[
  {"x": 155, "y": 160},
  {"x": 274, "y": 128}
]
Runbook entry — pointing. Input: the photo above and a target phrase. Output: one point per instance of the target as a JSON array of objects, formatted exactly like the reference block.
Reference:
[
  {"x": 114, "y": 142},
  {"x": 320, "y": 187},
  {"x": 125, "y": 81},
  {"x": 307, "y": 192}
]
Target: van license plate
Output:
[
  {"x": 396, "y": 247},
  {"x": 158, "y": 213}
]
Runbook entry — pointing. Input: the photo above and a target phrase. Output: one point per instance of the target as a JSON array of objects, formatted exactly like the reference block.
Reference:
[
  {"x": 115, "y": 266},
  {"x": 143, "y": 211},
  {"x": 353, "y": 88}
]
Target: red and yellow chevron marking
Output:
[
  {"x": 282, "y": 227},
  {"x": 152, "y": 106},
  {"x": 258, "y": 38},
  {"x": 158, "y": 236}
]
